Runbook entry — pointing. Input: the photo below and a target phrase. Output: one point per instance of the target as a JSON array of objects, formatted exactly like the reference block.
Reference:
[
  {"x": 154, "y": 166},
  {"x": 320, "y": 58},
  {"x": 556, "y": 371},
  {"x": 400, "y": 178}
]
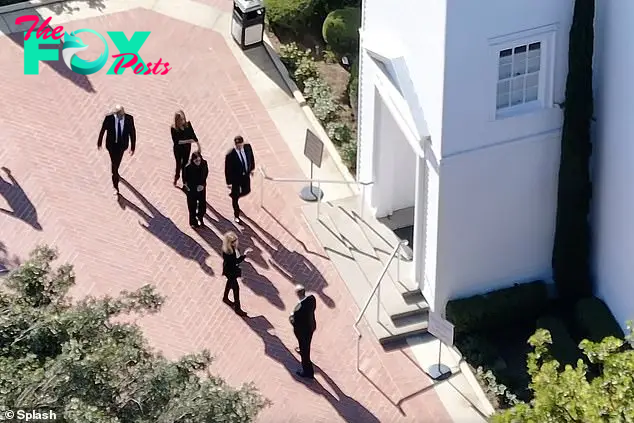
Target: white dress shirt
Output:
[
  {"x": 243, "y": 159},
  {"x": 118, "y": 126}
]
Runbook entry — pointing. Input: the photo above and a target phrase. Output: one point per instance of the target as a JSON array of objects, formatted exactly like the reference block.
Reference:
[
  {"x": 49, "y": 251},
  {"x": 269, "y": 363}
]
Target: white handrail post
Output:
[{"x": 318, "y": 199}]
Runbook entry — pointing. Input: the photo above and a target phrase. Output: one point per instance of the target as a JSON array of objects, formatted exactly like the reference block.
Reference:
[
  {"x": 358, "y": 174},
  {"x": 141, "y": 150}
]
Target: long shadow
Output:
[
  {"x": 59, "y": 66},
  {"x": 21, "y": 206},
  {"x": 347, "y": 407},
  {"x": 259, "y": 284},
  {"x": 294, "y": 266},
  {"x": 165, "y": 230}
]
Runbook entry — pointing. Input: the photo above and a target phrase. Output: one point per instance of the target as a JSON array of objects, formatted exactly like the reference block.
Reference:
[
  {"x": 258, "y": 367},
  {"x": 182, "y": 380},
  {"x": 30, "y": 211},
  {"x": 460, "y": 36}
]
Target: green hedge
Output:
[
  {"x": 353, "y": 87},
  {"x": 520, "y": 304},
  {"x": 595, "y": 321},
  {"x": 290, "y": 14},
  {"x": 563, "y": 349},
  {"x": 341, "y": 30}
]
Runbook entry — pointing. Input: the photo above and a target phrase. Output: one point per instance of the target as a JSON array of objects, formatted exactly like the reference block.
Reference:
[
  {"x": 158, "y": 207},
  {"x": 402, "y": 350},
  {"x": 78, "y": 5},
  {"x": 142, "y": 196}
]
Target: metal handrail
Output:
[
  {"x": 375, "y": 290},
  {"x": 265, "y": 176}
]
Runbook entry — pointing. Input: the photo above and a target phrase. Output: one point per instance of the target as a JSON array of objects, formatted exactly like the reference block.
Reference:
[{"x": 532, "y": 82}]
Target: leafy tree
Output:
[
  {"x": 82, "y": 361},
  {"x": 571, "y": 252},
  {"x": 572, "y": 395}
]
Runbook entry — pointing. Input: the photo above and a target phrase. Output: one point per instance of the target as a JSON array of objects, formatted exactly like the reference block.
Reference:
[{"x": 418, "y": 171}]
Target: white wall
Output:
[
  {"x": 421, "y": 39},
  {"x": 614, "y": 183},
  {"x": 471, "y": 70},
  {"x": 497, "y": 216}
]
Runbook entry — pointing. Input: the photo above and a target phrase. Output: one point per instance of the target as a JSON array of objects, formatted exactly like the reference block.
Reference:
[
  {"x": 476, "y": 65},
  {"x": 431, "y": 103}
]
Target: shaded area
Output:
[
  {"x": 294, "y": 266},
  {"x": 406, "y": 233},
  {"x": 348, "y": 408},
  {"x": 7, "y": 262},
  {"x": 251, "y": 278},
  {"x": 59, "y": 66},
  {"x": 20, "y": 205},
  {"x": 165, "y": 230}
]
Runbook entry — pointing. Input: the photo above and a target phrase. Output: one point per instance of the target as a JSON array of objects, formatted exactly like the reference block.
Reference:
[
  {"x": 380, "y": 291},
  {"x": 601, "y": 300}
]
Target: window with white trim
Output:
[{"x": 518, "y": 75}]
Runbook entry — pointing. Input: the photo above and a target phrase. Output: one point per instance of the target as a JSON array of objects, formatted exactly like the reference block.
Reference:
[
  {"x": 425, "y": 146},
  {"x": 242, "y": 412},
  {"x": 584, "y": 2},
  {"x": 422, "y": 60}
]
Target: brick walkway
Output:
[{"x": 58, "y": 192}]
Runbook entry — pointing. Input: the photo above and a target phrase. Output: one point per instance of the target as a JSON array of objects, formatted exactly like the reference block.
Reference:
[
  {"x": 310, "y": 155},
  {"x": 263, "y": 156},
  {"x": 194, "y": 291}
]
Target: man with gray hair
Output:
[
  {"x": 304, "y": 325},
  {"x": 120, "y": 134}
]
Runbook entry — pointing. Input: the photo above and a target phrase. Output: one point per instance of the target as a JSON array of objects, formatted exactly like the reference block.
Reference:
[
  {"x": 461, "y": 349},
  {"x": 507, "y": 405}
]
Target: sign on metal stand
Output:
[
  {"x": 444, "y": 331},
  {"x": 314, "y": 151}
]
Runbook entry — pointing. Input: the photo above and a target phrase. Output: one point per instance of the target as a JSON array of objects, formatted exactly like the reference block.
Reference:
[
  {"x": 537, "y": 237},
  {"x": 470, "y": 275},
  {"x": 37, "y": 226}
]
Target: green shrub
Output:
[
  {"x": 323, "y": 7},
  {"x": 341, "y": 30},
  {"x": 319, "y": 97},
  {"x": 563, "y": 349},
  {"x": 339, "y": 133},
  {"x": 595, "y": 321},
  {"x": 300, "y": 63},
  {"x": 517, "y": 305},
  {"x": 348, "y": 153},
  {"x": 477, "y": 350},
  {"x": 289, "y": 14}
]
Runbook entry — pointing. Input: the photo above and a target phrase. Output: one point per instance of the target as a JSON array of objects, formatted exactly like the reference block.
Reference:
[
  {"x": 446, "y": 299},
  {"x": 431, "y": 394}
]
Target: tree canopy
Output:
[
  {"x": 82, "y": 361},
  {"x": 576, "y": 394}
]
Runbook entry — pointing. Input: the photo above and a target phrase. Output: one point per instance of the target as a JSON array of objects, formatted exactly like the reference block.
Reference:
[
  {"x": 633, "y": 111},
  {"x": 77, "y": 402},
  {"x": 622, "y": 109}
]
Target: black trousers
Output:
[
  {"x": 197, "y": 205},
  {"x": 304, "y": 339},
  {"x": 232, "y": 285},
  {"x": 181, "y": 155},
  {"x": 116, "y": 156},
  {"x": 238, "y": 191}
]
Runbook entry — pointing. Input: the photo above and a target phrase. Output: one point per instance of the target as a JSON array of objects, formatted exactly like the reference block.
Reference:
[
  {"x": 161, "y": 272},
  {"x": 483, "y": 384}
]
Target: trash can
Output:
[{"x": 247, "y": 24}]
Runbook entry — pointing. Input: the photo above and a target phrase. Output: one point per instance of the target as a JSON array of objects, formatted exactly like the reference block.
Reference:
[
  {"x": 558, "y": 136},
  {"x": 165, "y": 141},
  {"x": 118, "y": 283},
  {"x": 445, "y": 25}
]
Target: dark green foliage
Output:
[
  {"x": 323, "y": 7},
  {"x": 86, "y": 364},
  {"x": 353, "y": 87},
  {"x": 563, "y": 349},
  {"x": 341, "y": 31},
  {"x": 349, "y": 155},
  {"x": 518, "y": 305},
  {"x": 290, "y": 14},
  {"x": 571, "y": 252},
  {"x": 478, "y": 350},
  {"x": 595, "y": 321}
]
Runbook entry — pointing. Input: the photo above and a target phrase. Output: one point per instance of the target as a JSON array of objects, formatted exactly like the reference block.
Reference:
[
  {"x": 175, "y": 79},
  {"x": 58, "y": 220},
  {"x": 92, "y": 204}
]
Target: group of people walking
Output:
[{"x": 120, "y": 135}]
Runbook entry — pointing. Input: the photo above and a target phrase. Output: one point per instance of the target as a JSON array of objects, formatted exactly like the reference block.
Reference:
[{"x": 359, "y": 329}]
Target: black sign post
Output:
[{"x": 314, "y": 151}]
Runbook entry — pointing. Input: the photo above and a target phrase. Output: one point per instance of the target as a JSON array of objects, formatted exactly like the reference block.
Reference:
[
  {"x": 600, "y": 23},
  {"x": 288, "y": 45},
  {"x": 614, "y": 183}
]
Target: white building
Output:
[
  {"x": 459, "y": 118},
  {"x": 614, "y": 148}
]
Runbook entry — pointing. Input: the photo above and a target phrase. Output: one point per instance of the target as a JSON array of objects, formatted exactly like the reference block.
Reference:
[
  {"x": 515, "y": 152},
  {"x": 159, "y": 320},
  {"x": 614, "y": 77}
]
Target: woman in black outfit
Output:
[
  {"x": 231, "y": 260},
  {"x": 183, "y": 136},
  {"x": 195, "y": 185}
]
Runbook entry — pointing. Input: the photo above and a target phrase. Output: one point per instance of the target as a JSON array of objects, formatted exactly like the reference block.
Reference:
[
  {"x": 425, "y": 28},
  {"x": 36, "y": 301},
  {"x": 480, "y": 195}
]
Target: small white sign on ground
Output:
[{"x": 441, "y": 328}]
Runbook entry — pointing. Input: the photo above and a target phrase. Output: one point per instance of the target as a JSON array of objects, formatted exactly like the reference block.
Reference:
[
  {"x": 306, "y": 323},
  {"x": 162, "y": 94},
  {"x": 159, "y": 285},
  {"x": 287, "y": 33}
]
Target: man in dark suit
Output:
[
  {"x": 120, "y": 134},
  {"x": 239, "y": 167},
  {"x": 304, "y": 325}
]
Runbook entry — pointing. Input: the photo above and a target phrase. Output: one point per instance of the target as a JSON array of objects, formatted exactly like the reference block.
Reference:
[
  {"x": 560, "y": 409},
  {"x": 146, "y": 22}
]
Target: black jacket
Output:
[
  {"x": 128, "y": 136},
  {"x": 187, "y": 133},
  {"x": 304, "y": 316},
  {"x": 234, "y": 170},
  {"x": 196, "y": 175},
  {"x": 231, "y": 264}
]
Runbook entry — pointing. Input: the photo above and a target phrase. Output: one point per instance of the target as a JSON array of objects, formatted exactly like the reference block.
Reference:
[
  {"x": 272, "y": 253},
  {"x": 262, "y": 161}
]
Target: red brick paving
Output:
[{"x": 60, "y": 181}]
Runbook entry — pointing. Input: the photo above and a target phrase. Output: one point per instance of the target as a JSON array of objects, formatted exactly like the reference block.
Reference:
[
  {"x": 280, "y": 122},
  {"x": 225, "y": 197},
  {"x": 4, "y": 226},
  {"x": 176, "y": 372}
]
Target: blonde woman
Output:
[
  {"x": 183, "y": 136},
  {"x": 231, "y": 260}
]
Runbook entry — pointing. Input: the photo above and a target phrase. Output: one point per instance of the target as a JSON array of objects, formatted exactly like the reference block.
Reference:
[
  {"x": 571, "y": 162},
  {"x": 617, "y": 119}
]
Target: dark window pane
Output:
[
  {"x": 521, "y": 49},
  {"x": 506, "y": 53},
  {"x": 534, "y": 46}
]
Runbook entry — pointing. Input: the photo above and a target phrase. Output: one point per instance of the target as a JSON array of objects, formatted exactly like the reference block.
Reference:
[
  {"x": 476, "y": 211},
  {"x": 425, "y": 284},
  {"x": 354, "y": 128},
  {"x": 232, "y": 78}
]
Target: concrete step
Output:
[
  {"x": 380, "y": 323},
  {"x": 384, "y": 241},
  {"x": 371, "y": 266}
]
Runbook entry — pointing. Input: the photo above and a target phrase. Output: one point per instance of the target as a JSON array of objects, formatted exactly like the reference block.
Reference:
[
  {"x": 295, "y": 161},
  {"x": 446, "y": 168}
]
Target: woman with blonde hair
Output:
[
  {"x": 231, "y": 260},
  {"x": 183, "y": 136}
]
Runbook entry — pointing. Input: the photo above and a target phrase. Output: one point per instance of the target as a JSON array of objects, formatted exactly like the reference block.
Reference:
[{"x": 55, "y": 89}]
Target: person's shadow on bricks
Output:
[
  {"x": 259, "y": 284},
  {"x": 294, "y": 266},
  {"x": 166, "y": 230},
  {"x": 21, "y": 206},
  {"x": 348, "y": 408}
]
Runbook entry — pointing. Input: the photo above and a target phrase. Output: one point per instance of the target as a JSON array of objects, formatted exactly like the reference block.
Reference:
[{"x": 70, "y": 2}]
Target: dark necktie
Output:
[
  {"x": 118, "y": 130},
  {"x": 243, "y": 160}
]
